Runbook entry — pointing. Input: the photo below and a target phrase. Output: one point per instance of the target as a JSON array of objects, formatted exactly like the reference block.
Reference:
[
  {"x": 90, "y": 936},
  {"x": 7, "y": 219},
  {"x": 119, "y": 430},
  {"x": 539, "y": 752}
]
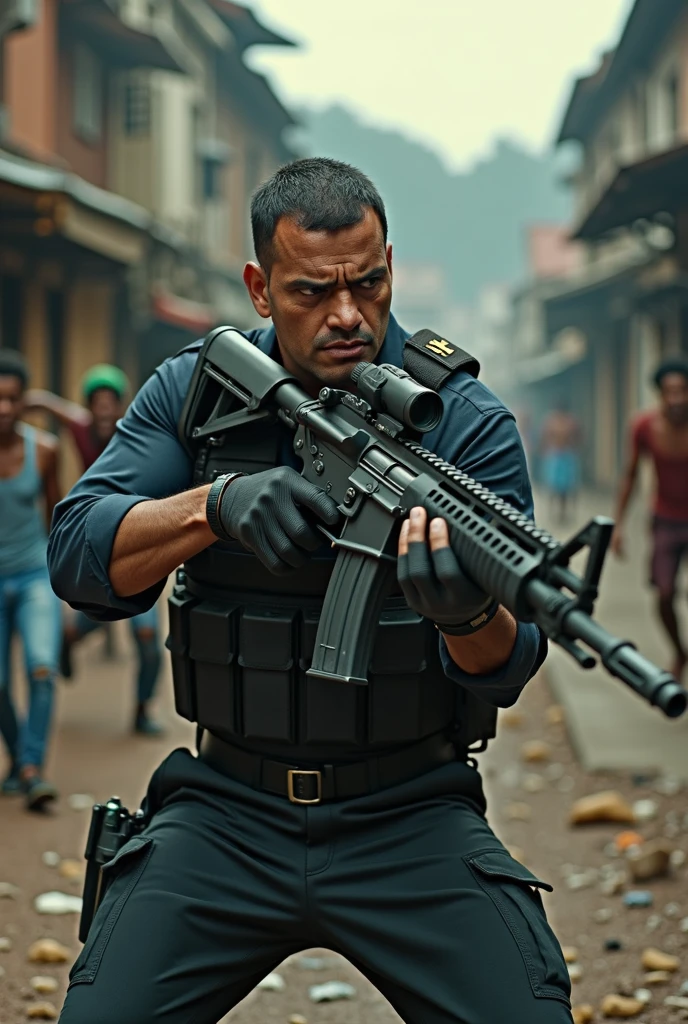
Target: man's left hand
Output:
[{"x": 430, "y": 576}]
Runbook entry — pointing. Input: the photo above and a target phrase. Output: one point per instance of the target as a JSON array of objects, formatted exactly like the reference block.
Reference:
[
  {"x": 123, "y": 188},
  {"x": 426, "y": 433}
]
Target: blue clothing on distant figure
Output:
[
  {"x": 561, "y": 471},
  {"x": 147, "y": 647},
  {"x": 23, "y": 536},
  {"x": 28, "y": 607}
]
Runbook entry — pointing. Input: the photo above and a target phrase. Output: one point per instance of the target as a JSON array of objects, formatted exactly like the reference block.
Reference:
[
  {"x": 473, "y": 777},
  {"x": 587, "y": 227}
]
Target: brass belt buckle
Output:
[{"x": 295, "y": 783}]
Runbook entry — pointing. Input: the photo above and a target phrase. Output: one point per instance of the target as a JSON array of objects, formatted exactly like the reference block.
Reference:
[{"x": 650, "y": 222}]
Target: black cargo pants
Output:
[{"x": 409, "y": 884}]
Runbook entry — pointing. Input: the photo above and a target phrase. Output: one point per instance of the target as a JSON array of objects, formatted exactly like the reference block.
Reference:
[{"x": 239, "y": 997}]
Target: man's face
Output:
[
  {"x": 11, "y": 403},
  {"x": 674, "y": 393},
  {"x": 106, "y": 409},
  {"x": 329, "y": 294}
]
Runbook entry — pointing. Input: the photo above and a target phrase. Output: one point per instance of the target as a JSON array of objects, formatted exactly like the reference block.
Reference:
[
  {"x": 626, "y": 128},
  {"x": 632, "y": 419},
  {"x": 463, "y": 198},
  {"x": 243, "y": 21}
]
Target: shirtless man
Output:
[
  {"x": 29, "y": 491},
  {"x": 92, "y": 426},
  {"x": 559, "y": 446},
  {"x": 661, "y": 434}
]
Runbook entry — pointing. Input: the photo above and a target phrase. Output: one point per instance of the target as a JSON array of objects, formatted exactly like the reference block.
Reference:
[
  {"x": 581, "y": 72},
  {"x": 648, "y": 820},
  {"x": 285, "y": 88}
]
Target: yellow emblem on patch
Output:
[{"x": 440, "y": 347}]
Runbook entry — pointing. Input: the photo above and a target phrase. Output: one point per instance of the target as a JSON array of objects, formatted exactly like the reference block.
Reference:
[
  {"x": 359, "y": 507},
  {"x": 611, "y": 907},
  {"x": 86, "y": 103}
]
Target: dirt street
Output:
[{"x": 94, "y": 754}]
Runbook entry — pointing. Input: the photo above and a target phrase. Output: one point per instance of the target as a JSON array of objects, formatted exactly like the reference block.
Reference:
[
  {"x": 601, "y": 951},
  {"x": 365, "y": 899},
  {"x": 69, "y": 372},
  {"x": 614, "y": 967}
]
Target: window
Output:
[
  {"x": 10, "y": 311},
  {"x": 88, "y": 95},
  {"x": 137, "y": 108},
  {"x": 672, "y": 103},
  {"x": 212, "y": 178}
]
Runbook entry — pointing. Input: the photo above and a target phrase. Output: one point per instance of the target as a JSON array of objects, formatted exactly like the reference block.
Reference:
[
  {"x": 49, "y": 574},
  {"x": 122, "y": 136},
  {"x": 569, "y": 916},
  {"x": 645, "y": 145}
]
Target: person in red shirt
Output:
[
  {"x": 92, "y": 426},
  {"x": 661, "y": 435}
]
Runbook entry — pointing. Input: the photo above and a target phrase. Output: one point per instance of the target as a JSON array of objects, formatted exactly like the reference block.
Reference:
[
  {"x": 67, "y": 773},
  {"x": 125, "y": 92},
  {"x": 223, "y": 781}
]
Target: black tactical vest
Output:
[{"x": 241, "y": 640}]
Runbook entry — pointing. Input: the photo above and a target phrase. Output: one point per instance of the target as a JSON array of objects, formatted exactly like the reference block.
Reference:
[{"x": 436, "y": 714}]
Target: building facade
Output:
[
  {"x": 132, "y": 137},
  {"x": 603, "y": 326}
]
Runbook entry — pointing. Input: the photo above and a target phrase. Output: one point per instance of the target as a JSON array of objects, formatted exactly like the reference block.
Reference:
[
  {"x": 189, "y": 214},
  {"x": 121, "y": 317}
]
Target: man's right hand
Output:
[
  {"x": 618, "y": 544},
  {"x": 265, "y": 513}
]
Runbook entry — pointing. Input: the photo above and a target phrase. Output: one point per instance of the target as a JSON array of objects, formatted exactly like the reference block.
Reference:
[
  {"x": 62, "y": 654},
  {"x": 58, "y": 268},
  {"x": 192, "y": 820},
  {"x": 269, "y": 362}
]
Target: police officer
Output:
[{"x": 315, "y": 813}]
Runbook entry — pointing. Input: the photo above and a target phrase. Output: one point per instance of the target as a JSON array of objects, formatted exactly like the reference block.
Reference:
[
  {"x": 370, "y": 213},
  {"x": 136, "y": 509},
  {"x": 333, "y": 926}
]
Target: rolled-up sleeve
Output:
[
  {"x": 479, "y": 435},
  {"x": 144, "y": 460}
]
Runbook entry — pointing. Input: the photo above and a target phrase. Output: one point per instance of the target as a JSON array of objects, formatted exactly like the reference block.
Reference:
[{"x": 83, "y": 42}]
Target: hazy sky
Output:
[{"x": 455, "y": 73}]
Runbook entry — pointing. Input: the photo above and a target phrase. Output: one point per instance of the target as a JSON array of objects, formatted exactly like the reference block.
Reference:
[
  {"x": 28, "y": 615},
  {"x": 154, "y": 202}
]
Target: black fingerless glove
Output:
[
  {"x": 435, "y": 585},
  {"x": 266, "y": 513}
]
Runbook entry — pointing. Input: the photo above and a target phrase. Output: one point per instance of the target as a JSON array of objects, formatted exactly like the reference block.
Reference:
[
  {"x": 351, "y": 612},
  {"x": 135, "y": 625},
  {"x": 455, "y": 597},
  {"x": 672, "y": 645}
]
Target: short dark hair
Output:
[
  {"x": 13, "y": 364},
  {"x": 321, "y": 194},
  {"x": 667, "y": 367}
]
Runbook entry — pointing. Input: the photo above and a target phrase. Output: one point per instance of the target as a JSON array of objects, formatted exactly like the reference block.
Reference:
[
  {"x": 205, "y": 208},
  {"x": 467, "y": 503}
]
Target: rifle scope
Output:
[{"x": 388, "y": 389}]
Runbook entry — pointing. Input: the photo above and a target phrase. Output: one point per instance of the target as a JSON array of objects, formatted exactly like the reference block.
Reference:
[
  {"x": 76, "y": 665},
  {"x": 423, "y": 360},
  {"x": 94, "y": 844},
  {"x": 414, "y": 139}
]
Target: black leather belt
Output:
[{"x": 328, "y": 782}]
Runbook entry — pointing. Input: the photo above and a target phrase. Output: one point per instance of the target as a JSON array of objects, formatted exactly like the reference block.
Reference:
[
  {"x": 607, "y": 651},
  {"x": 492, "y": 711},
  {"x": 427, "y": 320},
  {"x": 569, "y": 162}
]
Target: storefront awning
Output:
[{"x": 641, "y": 190}]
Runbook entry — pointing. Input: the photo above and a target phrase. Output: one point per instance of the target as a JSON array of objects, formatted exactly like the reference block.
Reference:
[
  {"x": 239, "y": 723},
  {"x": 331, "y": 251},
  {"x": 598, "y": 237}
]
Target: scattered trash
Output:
[
  {"x": 678, "y": 1002},
  {"x": 8, "y": 891},
  {"x": 330, "y": 991},
  {"x": 554, "y": 772},
  {"x": 72, "y": 870},
  {"x": 645, "y": 810},
  {"x": 43, "y": 985},
  {"x": 41, "y": 1011},
  {"x": 678, "y": 858},
  {"x": 621, "y": 1006},
  {"x": 48, "y": 951},
  {"x": 511, "y": 718},
  {"x": 602, "y": 915},
  {"x": 583, "y": 1014},
  {"x": 518, "y": 812},
  {"x": 316, "y": 963},
  {"x": 626, "y": 839},
  {"x": 50, "y": 858},
  {"x": 296, "y": 1018},
  {"x": 614, "y": 882},
  {"x": 5, "y": 944},
  {"x": 656, "y": 960},
  {"x": 643, "y": 995},
  {"x": 649, "y": 861},
  {"x": 570, "y": 954},
  {"x": 555, "y": 715},
  {"x": 613, "y": 945},
  {"x": 57, "y": 903},
  {"x": 533, "y": 783},
  {"x": 638, "y": 898},
  {"x": 608, "y": 805},
  {"x": 272, "y": 983},
  {"x": 668, "y": 785},
  {"x": 657, "y": 978},
  {"x": 81, "y": 801},
  {"x": 535, "y": 752},
  {"x": 583, "y": 880},
  {"x": 575, "y": 972}
]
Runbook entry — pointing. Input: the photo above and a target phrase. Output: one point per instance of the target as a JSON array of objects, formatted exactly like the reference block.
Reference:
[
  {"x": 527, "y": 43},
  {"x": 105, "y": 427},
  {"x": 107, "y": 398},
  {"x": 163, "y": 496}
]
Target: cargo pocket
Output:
[
  {"x": 515, "y": 892},
  {"x": 120, "y": 876}
]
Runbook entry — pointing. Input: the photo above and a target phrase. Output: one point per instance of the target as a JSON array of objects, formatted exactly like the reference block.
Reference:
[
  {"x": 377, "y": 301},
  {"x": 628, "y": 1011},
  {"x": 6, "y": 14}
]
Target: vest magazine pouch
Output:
[
  {"x": 179, "y": 604},
  {"x": 267, "y": 639},
  {"x": 400, "y": 643},
  {"x": 213, "y": 648}
]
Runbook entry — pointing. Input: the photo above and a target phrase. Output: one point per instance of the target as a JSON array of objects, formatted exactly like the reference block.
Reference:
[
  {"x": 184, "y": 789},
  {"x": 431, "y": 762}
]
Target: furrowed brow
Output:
[{"x": 377, "y": 272}]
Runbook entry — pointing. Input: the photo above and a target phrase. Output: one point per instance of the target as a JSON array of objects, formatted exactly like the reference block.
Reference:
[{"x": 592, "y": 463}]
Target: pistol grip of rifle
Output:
[{"x": 349, "y": 618}]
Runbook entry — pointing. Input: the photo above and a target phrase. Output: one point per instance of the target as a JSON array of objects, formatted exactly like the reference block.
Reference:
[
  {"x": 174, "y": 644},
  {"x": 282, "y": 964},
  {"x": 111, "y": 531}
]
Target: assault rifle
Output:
[{"x": 362, "y": 448}]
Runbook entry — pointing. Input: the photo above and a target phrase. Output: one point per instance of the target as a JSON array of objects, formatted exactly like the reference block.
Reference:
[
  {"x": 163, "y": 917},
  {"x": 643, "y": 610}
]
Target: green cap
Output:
[{"x": 104, "y": 376}]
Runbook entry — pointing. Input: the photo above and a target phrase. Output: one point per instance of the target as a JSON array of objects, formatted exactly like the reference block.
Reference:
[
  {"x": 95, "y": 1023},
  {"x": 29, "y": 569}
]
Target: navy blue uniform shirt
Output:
[{"x": 145, "y": 460}]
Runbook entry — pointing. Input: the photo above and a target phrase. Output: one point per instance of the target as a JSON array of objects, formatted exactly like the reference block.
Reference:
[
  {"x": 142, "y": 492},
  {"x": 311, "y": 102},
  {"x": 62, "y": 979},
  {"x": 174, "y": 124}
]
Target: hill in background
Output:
[{"x": 470, "y": 223}]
